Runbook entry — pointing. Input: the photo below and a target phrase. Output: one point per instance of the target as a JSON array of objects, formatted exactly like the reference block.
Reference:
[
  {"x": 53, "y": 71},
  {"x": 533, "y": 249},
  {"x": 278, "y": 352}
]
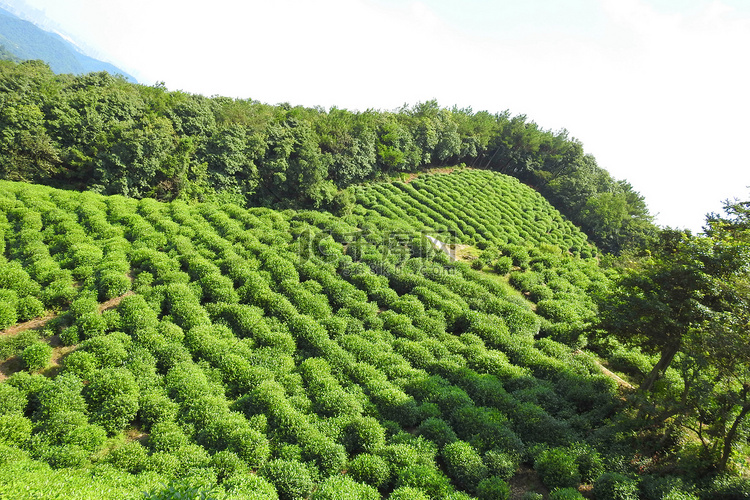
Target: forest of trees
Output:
[{"x": 101, "y": 133}]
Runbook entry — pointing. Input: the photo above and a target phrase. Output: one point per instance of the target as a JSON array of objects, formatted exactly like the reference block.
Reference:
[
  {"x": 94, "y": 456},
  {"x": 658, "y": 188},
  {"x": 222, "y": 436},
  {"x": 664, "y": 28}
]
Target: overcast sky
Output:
[{"x": 657, "y": 90}]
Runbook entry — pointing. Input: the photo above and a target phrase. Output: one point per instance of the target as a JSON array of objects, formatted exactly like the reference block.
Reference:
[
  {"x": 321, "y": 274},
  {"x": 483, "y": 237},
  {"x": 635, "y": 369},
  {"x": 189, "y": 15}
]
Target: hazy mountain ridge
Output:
[{"x": 25, "y": 40}]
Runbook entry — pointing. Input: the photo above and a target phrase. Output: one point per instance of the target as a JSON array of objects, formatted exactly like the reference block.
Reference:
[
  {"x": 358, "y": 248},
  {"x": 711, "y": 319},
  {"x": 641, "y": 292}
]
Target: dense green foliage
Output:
[
  {"x": 246, "y": 348},
  {"x": 477, "y": 208},
  {"x": 101, "y": 133},
  {"x": 689, "y": 301},
  {"x": 289, "y": 353}
]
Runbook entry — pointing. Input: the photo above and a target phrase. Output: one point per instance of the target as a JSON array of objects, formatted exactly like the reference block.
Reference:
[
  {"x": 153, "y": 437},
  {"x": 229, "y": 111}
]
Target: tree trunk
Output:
[
  {"x": 667, "y": 355},
  {"x": 729, "y": 438}
]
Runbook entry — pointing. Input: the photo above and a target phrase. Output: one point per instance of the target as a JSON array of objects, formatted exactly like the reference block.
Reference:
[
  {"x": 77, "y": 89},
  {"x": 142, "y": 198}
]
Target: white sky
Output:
[{"x": 657, "y": 90}]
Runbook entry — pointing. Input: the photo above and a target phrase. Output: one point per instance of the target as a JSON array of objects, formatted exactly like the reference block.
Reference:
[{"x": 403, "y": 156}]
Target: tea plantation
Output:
[{"x": 213, "y": 351}]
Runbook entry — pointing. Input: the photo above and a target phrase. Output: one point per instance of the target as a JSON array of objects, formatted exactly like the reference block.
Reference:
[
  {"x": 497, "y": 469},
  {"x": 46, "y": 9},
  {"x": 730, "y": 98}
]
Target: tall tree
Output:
[
  {"x": 657, "y": 300},
  {"x": 689, "y": 300}
]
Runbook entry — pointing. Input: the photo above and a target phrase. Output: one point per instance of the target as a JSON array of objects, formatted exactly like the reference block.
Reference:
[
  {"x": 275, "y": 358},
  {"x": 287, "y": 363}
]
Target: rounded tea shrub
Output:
[
  {"x": 12, "y": 400},
  {"x": 291, "y": 478},
  {"x": 363, "y": 434},
  {"x": 112, "y": 395},
  {"x": 8, "y": 313},
  {"x": 29, "y": 307},
  {"x": 493, "y": 488},
  {"x": 503, "y": 265},
  {"x": 344, "y": 488},
  {"x": 557, "y": 468},
  {"x": 70, "y": 336},
  {"x": 15, "y": 429},
  {"x": 427, "y": 478},
  {"x": 437, "y": 430},
  {"x": 565, "y": 494},
  {"x": 249, "y": 487},
  {"x": 130, "y": 457},
  {"x": 464, "y": 465},
  {"x": 501, "y": 463},
  {"x": 227, "y": 464},
  {"x": 370, "y": 469},
  {"x": 615, "y": 486},
  {"x": 408, "y": 493},
  {"x": 37, "y": 356}
]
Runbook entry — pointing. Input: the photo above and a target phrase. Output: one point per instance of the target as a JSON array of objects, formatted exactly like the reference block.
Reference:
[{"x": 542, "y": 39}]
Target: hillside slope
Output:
[
  {"x": 264, "y": 353},
  {"x": 476, "y": 207},
  {"x": 101, "y": 133}
]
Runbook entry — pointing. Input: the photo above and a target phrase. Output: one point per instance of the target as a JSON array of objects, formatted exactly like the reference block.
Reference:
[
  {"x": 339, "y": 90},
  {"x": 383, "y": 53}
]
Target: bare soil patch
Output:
[
  {"x": 526, "y": 479},
  {"x": 465, "y": 253},
  {"x": 112, "y": 303},
  {"x": 408, "y": 177},
  {"x": 624, "y": 384},
  {"x": 10, "y": 366},
  {"x": 35, "y": 323}
]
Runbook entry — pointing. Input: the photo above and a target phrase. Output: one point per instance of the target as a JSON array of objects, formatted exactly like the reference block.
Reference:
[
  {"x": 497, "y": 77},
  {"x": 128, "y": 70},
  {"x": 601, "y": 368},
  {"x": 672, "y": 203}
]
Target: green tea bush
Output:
[
  {"x": 59, "y": 293},
  {"x": 167, "y": 437},
  {"x": 13, "y": 345},
  {"x": 652, "y": 487},
  {"x": 370, "y": 469},
  {"x": 179, "y": 490},
  {"x": 37, "y": 356},
  {"x": 426, "y": 478},
  {"x": 14, "y": 277},
  {"x": 192, "y": 459},
  {"x": 130, "y": 457},
  {"x": 503, "y": 265},
  {"x": 615, "y": 486},
  {"x": 501, "y": 463},
  {"x": 136, "y": 314},
  {"x": 363, "y": 434},
  {"x": 89, "y": 437},
  {"x": 493, "y": 488},
  {"x": 8, "y": 313},
  {"x": 344, "y": 488},
  {"x": 227, "y": 464},
  {"x": 110, "y": 350},
  {"x": 464, "y": 465},
  {"x": 66, "y": 456},
  {"x": 250, "y": 445},
  {"x": 486, "y": 428},
  {"x": 12, "y": 400},
  {"x": 111, "y": 283},
  {"x": 408, "y": 493},
  {"x": 565, "y": 494},
  {"x": 589, "y": 461},
  {"x": 557, "y": 468},
  {"x": 291, "y": 479},
  {"x": 329, "y": 457},
  {"x": 437, "y": 430},
  {"x": 90, "y": 325},
  {"x": 249, "y": 486},
  {"x": 81, "y": 363},
  {"x": 154, "y": 406},
  {"x": 28, "y": 308},
  {"x": 15, "y": 429},
  {"x": 31, "y": 386},
  {"x": 112, "y": 395}
]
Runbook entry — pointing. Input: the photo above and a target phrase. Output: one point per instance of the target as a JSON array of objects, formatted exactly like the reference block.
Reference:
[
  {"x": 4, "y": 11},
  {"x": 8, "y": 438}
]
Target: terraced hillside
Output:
[
  {"x": 264, "y": 354},
  {"x": 476, "y": 207}
]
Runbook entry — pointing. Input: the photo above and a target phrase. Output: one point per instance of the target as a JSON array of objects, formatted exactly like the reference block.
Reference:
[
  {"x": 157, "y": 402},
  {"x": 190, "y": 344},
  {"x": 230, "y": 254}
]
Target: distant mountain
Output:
[{"x": 25, "y": 40}]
